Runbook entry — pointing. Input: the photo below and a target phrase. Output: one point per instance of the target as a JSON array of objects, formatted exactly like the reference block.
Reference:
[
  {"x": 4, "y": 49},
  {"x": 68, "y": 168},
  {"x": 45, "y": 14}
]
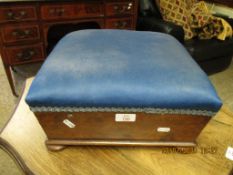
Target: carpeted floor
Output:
[{"x": 223, "y": 83}]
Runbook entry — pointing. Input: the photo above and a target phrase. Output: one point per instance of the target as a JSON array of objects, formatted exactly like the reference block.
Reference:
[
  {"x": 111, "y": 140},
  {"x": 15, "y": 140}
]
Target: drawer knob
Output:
[
  {"x": 26, "y": 54},
  {"x": 116, "y": 7},
  {"x": 10, "y": 14},
  {"x": 22, "y": 13}
]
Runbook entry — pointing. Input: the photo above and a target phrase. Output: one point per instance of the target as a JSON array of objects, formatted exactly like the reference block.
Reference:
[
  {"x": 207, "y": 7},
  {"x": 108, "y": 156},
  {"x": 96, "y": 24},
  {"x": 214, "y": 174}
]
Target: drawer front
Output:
[
  {"x": 71, "y": 11},
  {"x": 122, "y": 23},
  {"x": 11, "y": 34},
  {"x": 17, "y": 13},
  {"x": 51, "y": 12},
  {"x": 120, "y": 8},
  {"x": 17, "y": 55}
]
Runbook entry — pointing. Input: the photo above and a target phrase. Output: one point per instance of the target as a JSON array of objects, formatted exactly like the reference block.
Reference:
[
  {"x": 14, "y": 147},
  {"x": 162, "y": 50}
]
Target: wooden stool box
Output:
[{"x": 118, "y": 87}]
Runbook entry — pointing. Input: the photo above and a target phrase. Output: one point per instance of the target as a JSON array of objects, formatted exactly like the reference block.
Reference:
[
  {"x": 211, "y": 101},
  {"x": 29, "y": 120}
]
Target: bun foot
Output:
[{"x": 55, "y": 147}]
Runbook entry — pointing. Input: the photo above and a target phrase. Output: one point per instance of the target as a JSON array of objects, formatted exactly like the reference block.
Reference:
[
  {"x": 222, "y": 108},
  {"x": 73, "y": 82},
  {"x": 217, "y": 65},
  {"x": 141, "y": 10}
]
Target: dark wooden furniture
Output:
[
  {"x": 25, "y": 25},
  {"x": 114, "y": 97},
  {"x": 147, "y": 130}
]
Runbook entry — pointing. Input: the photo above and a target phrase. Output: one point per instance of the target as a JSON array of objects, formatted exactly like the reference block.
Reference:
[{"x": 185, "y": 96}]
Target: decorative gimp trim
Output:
[{"x": 113, "y": 109}]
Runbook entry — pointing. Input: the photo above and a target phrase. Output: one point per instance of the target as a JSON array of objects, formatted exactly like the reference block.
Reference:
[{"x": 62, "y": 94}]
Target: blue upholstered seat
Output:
[{"x": 117, "y": 70}]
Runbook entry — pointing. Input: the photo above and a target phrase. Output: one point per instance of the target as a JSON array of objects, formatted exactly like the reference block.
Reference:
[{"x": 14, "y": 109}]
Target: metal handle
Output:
[
  {"x": 13, "y": 16},
  {"x": 122, "y": 8},
  {"x": 118, "y": 8},
  {"x": 51, "y": 11},
  {"x": 26, "y": 54},
  {"x": 130, "y": 6},
  {"x": 21, "y": 33},
  {"x": 58, "y": 11},
  {"x": 121, "y": 24}
]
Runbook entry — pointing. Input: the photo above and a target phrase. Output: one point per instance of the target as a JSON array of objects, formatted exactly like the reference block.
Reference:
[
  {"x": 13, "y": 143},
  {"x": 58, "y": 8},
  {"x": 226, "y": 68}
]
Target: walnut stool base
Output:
[
  {"x": 102, "y": 128},
  {"x": 57, "y": 145}
]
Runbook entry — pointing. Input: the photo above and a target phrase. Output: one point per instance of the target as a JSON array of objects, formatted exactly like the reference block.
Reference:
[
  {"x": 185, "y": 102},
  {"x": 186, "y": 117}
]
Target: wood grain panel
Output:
[{"x": 102, "y": 126}]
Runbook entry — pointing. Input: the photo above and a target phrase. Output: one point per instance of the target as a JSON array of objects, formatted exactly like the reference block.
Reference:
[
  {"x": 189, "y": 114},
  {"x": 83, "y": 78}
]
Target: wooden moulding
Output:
[
  {"x": 100, "y": 128},
  {"x": 58, "y": 145},
  {"x": 15, "y": 155}
]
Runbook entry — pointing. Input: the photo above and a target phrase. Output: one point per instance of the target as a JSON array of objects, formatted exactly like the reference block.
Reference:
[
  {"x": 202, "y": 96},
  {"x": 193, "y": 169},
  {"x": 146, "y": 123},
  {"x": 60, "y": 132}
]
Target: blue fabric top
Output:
[{"x": 121, "y": 69}]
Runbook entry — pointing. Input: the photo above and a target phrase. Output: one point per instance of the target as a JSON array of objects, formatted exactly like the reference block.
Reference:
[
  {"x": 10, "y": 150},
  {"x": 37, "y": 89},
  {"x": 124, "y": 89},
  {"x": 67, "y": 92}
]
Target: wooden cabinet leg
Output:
[{"x": 10, "y": 79}]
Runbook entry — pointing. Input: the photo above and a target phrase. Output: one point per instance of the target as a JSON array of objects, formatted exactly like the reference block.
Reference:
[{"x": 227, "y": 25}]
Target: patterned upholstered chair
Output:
[{"x": 212, "y": 55}]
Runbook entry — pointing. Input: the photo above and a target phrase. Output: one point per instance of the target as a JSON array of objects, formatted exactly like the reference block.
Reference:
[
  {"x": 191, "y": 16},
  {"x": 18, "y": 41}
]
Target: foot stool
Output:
[{"x": 116, "y": 87}]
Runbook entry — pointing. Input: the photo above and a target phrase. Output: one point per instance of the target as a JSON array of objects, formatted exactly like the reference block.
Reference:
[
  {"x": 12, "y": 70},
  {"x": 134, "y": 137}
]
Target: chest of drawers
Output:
[{"x": 25, "y": 25}]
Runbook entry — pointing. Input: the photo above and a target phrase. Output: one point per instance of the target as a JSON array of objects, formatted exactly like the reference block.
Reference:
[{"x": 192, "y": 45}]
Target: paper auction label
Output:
[
  {"x": 125, "y": 117},
  {"x": 229, "y": 153},
  {"x": 68, "y": 123},
  {"x": 163, "y": 129}
]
